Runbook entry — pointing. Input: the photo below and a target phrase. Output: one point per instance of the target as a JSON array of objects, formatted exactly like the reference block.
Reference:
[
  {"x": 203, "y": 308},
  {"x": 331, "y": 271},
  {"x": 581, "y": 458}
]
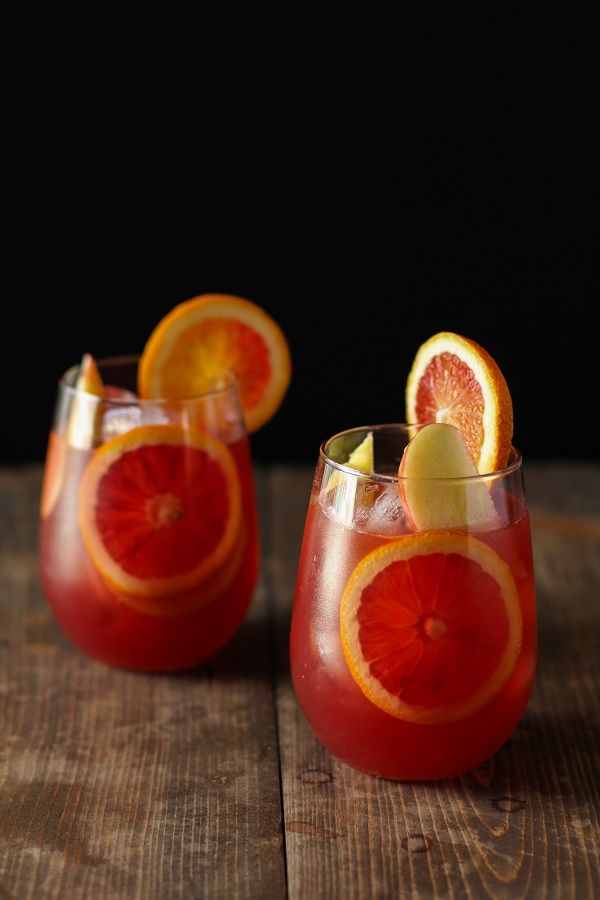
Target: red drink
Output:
[
  {"x": 345, "y": 524},
  {"x": 158, "y": 628}
]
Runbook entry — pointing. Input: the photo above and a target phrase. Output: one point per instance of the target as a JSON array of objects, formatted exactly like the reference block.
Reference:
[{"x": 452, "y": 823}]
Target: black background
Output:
[{"x": 367, "y": 182}]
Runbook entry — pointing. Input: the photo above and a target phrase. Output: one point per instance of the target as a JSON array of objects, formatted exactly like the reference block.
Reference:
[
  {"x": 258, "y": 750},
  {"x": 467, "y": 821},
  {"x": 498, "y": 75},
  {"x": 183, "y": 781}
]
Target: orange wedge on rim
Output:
[
  {"x": 455, "y": 381},
  {"x": 160, "y": 510},
  {"x": 431, "y": 626},
  {"x": 201, "y": 339}
]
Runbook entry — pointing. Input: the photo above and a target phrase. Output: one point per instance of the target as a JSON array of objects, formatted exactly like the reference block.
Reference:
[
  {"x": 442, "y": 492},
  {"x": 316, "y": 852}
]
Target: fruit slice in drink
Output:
[
  {"x": 361, "y": 460},
  {"x": 439, "y": 485},
  {"x": 203, "y": 339},
  {"x": 431, "y": 626},
  {"x": 81, "y": 430},
  {"x": 200, "y": 596},
  {"x": 454, "y": 380},
  {"x": 159, "y": 511}
]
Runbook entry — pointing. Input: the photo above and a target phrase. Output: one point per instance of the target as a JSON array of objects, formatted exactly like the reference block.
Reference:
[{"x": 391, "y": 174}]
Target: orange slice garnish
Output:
[
  {"x": 159, "y": 509},
  {"x": 203, "y": 594},
  {"x": 202, "y": 339},
  {"x": 455, "y": 381},
  {"x": 431, "y": 626}
]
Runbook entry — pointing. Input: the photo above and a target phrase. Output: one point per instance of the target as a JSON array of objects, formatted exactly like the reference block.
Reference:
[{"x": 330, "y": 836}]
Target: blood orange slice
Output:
[
  {"x": 431, "y": 626},
  {"x": 203, "y": 594},
  {"x": 201, "y": 339},
  {"x": 159, "y": 509},
  {"x": 454, "y": 380}
]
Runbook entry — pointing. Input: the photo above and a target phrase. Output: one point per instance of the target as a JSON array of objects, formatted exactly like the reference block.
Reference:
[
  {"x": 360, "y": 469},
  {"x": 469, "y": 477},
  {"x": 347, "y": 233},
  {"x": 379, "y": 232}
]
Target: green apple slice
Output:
[
  {"x": 435, "y": 456},
  {"x": 84, "y": 417},
  {"x": 361, "y": 457}
]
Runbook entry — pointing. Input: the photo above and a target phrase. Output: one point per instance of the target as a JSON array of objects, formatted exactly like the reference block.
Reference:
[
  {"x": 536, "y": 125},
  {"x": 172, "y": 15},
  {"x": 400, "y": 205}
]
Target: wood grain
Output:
[
  {"x": 117, "y": 784},
  {"x": 527, "y": 823}
]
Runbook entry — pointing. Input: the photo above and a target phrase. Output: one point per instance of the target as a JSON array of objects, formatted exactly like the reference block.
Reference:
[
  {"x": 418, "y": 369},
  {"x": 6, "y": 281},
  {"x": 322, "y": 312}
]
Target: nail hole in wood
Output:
[
  {"x": 315, "y": 776},
  {"x": 508, "y": 804},
  {"x": 416, "y": 843}
]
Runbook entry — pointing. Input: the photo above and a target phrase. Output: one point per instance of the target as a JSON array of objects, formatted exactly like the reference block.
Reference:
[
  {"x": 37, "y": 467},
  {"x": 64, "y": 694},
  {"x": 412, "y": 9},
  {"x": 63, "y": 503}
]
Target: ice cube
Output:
[
  {"x": 118, "y": 419},
  {"x": 338, "y": 503},
  {"x": 154, "y": 415},
  {"x": 386, "y": 514}
]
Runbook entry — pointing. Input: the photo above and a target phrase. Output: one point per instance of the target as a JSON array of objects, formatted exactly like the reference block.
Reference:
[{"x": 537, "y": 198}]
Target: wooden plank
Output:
[
  {"x": 527, "y": 823},
  {"x": 117, "y": 784}
]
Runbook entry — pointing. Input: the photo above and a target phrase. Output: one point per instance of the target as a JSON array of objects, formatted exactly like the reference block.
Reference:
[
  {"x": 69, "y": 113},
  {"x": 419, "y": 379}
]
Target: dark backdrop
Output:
[{"x": 367, "y": 183}]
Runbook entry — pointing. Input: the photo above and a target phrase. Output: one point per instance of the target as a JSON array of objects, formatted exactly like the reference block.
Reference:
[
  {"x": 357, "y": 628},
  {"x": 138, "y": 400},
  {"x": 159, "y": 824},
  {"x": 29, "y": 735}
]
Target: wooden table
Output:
[{"x": 209, "y": 784}]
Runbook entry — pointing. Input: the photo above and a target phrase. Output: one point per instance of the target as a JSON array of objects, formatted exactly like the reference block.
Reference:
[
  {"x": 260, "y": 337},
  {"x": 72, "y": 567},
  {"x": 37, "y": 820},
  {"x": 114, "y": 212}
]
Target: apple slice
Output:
[
  {"x": 361, "y": 459},
  {"x": 79, "y": 429},
  {"x": 437, "y": 454},
  {"x": 83, "y": 427},
  {"x": 89, "y": 379},
  {"x": 343, "y": 492}
]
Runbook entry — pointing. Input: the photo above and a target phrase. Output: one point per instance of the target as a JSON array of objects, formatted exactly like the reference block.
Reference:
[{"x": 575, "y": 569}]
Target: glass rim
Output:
[
  {"x": 131, "y": 359},
  {"x": 508, "y": 469}
]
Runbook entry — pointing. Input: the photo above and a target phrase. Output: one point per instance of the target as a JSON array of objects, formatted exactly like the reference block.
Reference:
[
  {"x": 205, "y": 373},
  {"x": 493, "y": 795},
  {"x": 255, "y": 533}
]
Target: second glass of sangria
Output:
[{"x": 149, "y": 545}]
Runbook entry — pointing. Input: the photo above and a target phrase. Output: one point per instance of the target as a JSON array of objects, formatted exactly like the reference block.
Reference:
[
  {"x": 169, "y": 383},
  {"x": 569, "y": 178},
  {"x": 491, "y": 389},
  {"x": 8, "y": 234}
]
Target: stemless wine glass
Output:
[
  {"x": 412, "y": 654},
  {"x": 149, "y": 542}
]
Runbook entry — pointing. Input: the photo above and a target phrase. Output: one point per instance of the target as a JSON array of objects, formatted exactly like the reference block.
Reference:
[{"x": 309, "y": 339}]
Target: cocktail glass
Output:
[
  {"x": 412, "y": 655},
  {"x": 149, "y": 546}
]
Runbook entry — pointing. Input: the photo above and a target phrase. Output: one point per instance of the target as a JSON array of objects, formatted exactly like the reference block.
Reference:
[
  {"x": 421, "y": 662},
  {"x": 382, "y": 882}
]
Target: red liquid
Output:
[
  {"x": 95, "y": 616},
  {"x": 342, "y": 717}
]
